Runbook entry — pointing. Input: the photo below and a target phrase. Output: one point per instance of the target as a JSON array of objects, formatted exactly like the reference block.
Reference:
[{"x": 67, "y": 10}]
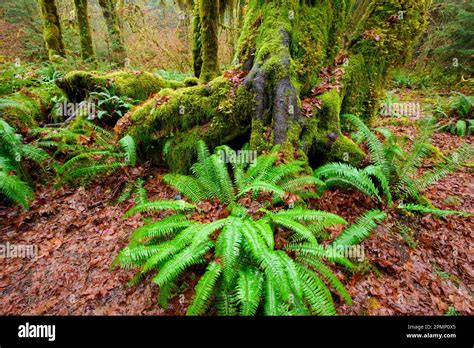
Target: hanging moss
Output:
[
  {"x": 52, "y": 29},
  {"x": 209, "y": 17},
  {"x": 87, "y": 49},
  {"x": 139, "y": 86}
]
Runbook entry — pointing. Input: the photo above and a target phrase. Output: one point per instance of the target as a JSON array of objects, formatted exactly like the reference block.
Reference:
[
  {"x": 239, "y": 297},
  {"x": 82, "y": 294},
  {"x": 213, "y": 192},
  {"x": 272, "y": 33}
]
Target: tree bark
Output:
[
  {"x": 87, "y": 48},
  {"x": 52, "y": 29},
  {"x": 197, "y": 44},
  {"x": 109, "y": 11},
  {"x": 209, "y": 19}
]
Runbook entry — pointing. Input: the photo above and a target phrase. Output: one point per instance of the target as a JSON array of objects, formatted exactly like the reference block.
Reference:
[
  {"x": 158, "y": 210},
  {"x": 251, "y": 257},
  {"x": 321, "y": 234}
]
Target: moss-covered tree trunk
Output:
[
  {"x": 300, "y": 66},
  {"x": 197, "y": 45},
  {"x": 209, "y": 20},
  {"x": 52, "y": 29},
  {"x": 109, "y": 11},
  {"x": 87, "y": 48}
]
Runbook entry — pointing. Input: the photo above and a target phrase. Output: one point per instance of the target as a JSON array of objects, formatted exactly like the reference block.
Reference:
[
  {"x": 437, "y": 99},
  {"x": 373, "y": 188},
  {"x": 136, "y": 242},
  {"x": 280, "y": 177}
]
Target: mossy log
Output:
[
  {"x": 77, "y": 85},
  {"x": 296, "y": 72}
]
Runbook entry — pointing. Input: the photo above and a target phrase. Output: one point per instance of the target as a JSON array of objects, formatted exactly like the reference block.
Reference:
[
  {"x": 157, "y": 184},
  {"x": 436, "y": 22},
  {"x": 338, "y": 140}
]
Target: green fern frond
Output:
[
  {"x": 427, "y": 210},
  {"x": 228, "y": 249},
  {"x": 319, "y": 252},
  {"x": 164, "y": 228},
  {"x": 328, "y": 275},
  {"x": 128, "y": 145},
  {"x": 361, "y": 229},
  {"x": 178, "y": 205},
  {"x": 316, "y": 293},
  {"x": 188, "y": 186},
  {"x": 204, "y": 290},
  {"x": 296, "y": 227},
  {"x": 262, "y": 186},
  {"x": 345, "y": 174},
  {"x": 301, "y": 214},
  {"x": 376, "y": 148},
  {"x": 173, "y": 268},
  {"x": 15, "y": 189},
  {"x": 249, "y": 290}
]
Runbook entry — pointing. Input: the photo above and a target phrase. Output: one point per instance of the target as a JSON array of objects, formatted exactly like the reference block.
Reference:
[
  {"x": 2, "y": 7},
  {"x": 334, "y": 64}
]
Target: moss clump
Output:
[
  {"x": 323, "y": 133},
  {"x": 215, "y": 113},
  {"x": 78, "y": 84}
]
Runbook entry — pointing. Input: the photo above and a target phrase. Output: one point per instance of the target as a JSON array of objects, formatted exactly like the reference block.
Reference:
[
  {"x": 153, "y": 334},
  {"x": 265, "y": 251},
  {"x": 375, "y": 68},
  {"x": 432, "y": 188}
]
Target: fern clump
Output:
[
  {"x": 13, "y": 174},
  {"x": 248, "y": 270},
  {"x": 87, "y": 150},
  {"x": 393, "y": 172}
]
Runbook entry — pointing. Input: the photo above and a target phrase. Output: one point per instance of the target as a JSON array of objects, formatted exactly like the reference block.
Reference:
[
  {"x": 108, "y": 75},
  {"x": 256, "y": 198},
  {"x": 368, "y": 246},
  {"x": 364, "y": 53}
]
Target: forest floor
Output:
[{"x": 78, "y": 231}]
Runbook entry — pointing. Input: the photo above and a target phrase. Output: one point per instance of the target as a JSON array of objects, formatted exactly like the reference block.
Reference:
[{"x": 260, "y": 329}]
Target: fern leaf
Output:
[
  {"x": 249, "y": 290},
  {"x": 361, "y": 228},
  {"x": 178, "y": 205},
  {"x": 204, "y": 290}
]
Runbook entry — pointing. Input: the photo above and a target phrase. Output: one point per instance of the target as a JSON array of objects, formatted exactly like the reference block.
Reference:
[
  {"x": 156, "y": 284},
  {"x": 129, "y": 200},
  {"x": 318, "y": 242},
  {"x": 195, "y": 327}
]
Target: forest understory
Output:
[
  {"x": 79, "y": 233},
  {"x": 236, "y": 157}
]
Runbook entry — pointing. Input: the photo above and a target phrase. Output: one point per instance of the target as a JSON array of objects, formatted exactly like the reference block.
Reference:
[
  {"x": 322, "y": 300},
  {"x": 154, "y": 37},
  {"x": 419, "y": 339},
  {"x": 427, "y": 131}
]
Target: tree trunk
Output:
[
  {"x": 109, "y": 11},
  {"x": 209, "y": 18},
  {"x": 297, "y": 71},
  {"x": 87, "y": 49},
  {"x": 197, "y": 45},
  {"x": 52, "y": 29}
]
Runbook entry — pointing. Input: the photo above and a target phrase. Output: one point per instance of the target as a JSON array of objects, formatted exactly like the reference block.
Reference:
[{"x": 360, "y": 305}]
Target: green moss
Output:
[
  {"x": 209, "y": 18},
  {"x": 78, "y": 84},
  {"x": 52, "y": 29},
  {"x": 383, "y": 39},
  {"x": 87, "y": 49},
  {"x": 215, "y": 113}
]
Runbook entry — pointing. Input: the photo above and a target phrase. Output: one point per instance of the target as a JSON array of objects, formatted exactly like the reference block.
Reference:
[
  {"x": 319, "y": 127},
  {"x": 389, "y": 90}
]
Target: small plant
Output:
[
  {"x": 111, "y": 107},
  {"x": 460, "y": 113},
  {"x": 13, "y": 174},
  {"x": 248, "y": 268}
]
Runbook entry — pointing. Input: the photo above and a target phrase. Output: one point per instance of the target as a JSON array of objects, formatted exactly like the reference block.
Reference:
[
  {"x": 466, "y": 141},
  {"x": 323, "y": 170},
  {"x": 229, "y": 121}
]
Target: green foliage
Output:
[
  {"x": 211, "y": 178},
  {"x": 87, "y": 150},
  {"x": 394, "y": 170},
  {"x": 13, "y": 153},
  {"x": 427, "y": 210},
  {"x": 245, "y": 273},
  {"x": 361, "y": 229},
  {"x": 110, "y": 106}
]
